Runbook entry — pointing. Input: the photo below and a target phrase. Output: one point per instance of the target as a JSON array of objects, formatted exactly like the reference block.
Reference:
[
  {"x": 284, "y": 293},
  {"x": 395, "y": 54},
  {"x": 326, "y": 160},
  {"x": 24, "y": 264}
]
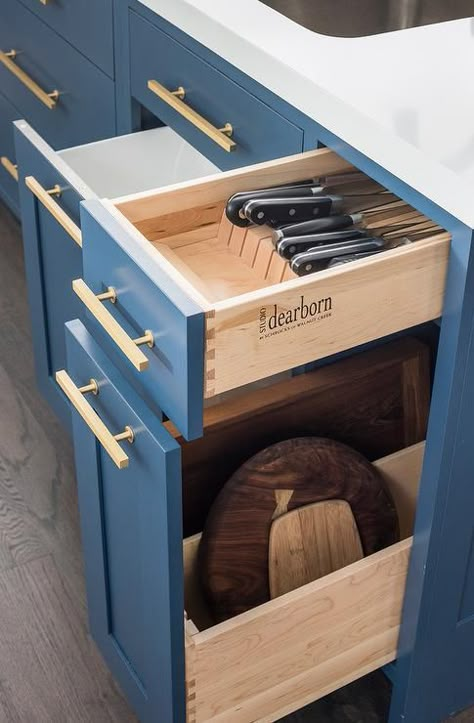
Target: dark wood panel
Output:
[{"x": 375, "y": 402}]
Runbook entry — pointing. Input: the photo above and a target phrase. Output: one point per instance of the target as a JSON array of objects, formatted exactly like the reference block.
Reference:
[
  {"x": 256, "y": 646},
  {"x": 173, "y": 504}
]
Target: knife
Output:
[
  {"x": 317, "y": 225},
  {"x": 309, "y": 261},
  {"x": 341, "y": 260},
  {"x": 288, "y": 247},
  {"x": 278, "y": 211},
  {"x": 236, "y": 202}
]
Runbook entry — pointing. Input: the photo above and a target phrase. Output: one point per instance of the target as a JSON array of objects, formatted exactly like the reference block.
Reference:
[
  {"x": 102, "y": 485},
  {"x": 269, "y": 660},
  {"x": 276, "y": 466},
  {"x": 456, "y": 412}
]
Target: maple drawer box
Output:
[{"x": 213, "y": 306}]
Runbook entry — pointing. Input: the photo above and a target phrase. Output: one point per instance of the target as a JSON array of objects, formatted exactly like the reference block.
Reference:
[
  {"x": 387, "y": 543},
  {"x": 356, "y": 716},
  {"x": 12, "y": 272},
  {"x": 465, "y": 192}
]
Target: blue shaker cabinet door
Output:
[
  {"x": 8, "y": 182},
  {"x": 52, "y": 259},
  {"x": 148, "y": 300},
  {"x": 260, "y": 132},
  {"x": 86, "y": 25},
  {"x": 131, "y": 537}
]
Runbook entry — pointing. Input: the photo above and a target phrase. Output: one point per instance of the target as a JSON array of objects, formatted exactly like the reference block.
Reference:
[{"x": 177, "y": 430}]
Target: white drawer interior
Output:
[{"x": 137, "y": 162}]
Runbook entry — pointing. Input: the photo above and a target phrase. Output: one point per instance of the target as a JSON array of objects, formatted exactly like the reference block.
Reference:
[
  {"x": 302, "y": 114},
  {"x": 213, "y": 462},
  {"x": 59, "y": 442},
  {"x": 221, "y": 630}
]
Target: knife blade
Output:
[
  {"x": 309, "y": 261},
  {"x": 349, "y": 258}
]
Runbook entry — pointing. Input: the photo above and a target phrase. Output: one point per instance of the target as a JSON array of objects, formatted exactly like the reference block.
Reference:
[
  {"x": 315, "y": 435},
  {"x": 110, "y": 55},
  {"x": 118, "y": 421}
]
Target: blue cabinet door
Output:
[
  {"x": 87, "y": 25},
  {"x": 85, "y": 108},
  {"x": 132, "y": 538},
  {"x": 8, "y": 183},
  {"x": 52, "y": 261},
  {"x": 259, "y": 131},
  {"x": 148, "y": 298}
]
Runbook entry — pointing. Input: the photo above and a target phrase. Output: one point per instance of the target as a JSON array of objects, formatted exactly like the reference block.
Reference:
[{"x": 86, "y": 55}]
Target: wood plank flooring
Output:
[{"x": 50, "y": 671}]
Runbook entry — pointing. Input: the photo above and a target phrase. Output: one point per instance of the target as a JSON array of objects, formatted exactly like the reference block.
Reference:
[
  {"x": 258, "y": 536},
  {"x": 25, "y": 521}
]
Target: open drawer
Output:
[
  {"x": 215, "y": 303},
  {"x": 262, "y": 663},
  {"x": 52, "y": 184},
  {"x": 299, "y": 647}
]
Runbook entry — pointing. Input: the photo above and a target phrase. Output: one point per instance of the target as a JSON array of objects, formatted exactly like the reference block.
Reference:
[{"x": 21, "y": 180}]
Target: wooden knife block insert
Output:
[
  {"x": 234, "y": 262},
  {"x": 222, "y": 261},
  {"x": 376, "y": 402}
]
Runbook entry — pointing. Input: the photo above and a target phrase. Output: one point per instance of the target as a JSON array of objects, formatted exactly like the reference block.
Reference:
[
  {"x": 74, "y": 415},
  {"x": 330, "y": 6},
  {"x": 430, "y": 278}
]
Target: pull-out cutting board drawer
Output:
[
  {"x": 257, "y": 666},
  {"x": 284, "y": 654},
  {"x": 216, "y": 303}
]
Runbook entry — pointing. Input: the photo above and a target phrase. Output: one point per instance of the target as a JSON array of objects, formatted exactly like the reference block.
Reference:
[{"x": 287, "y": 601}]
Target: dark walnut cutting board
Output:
[
  {"x": 376, "y": 402},
  {"x": 234, "y": 550}
]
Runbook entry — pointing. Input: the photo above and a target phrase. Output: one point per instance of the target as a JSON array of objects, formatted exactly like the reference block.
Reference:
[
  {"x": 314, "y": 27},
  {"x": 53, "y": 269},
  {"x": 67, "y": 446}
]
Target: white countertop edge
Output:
[{"x": 222, "y": 28}]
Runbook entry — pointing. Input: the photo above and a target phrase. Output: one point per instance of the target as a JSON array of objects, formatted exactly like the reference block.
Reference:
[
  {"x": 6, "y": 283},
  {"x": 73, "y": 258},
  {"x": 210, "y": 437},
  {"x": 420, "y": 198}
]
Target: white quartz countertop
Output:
[{"x": 405, "y": 99}]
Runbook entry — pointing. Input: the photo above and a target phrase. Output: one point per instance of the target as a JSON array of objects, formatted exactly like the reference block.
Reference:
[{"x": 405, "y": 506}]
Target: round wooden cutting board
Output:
[{"x": 234, "y": 550}]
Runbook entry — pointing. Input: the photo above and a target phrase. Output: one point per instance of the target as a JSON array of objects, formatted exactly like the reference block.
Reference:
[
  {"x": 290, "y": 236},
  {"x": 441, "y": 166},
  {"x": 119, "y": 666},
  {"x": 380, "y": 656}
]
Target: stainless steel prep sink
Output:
[{"x": 357, "y": 18}]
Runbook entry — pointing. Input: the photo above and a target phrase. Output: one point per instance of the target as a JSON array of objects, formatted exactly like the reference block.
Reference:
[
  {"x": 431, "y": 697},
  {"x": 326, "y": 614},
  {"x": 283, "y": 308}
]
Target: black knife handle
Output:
[
  {"x": 238, "y": 200},
  {"x": 278, "y": 211},
  {"x": 288, "y": 247},
  {"x": 310, "y": 261},
  {"x": 317, "y": 225}
]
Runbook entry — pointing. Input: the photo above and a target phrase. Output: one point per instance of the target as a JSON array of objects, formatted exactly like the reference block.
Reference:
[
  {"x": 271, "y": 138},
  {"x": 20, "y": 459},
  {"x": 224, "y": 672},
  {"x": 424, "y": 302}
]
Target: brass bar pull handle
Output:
[
  {"x": 10, "y": 167},
  {"x": 8, "y": 60},
  {"x": 174, "y": 98},
  {"x": 109, "y": 441},
  {"x": 129, "y": 346},
  {"x": 46, "y": 198}
]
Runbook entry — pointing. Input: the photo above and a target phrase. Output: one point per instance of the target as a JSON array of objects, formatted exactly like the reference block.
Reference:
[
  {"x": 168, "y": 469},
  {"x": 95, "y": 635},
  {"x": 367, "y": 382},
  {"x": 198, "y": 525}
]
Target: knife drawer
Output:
[
  {"x": 222, "y": 307},
  {"x": 280, "y": 656}
]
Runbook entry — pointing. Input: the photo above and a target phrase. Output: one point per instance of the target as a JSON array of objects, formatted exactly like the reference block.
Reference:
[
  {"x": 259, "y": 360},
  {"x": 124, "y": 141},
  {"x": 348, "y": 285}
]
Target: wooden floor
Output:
[{"x": 50, "y": 671}]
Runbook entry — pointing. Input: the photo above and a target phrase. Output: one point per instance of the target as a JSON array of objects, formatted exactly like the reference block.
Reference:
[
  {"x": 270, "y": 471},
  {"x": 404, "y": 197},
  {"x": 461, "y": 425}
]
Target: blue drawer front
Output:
[
  {"x": 52, "y": 261},
  {"x": 86, "y": 107},
  {"x": 259, "y": 131},
  {"x": 8, "y": 185},
  {"x": 132, "y": 539},
  {"x": 88, "y": 25},
  {"x": 147, "y": 299}
]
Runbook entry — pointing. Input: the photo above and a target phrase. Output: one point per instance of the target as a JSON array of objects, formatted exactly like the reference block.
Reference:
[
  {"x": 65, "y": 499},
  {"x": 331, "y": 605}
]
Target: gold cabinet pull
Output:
[
  {"x": 174, "y": 98},
  {"x": 10, "y": 167},
  {"x": 109, "y": 441},
  {"x": 129, "y": 346},
  {"x": 8, "y": 60},
  {"x": 45, "y": 196}
]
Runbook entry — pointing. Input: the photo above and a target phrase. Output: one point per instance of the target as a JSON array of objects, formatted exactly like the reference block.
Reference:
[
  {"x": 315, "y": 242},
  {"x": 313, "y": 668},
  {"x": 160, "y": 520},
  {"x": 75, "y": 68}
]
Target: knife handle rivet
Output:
[
  {"x": 260, "y": 214},
  {"x": 292, "y": 211},
  {"x": 308, "y": 267}
]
